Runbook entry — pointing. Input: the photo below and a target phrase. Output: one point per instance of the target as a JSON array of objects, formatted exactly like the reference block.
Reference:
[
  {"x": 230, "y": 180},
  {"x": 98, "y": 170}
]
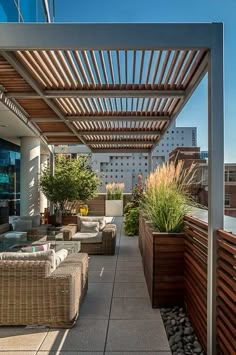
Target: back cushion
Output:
[
  {"x": 89, "y": 227},
  {"x": 22, "y": 225},
  {"x": 100, "y": 220},
  {"x": 48, "y": 255},
  {"x": 35, "y": 220}
]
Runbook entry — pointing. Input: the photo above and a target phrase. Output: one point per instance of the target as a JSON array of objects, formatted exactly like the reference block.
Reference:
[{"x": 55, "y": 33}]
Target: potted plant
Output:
[
  {"x": 73, "y": 180},
  {"x": 166, "y": 200},
  {"x": 114, "y": 199}
]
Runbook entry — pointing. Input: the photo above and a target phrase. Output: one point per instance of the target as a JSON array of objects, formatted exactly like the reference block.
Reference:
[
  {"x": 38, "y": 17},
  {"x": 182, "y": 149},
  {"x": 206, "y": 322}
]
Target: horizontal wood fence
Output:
[
  {"x": 195, "y": 275},
  {"x": 226, "y": 293},
  {"x": 195, "y": 272}
]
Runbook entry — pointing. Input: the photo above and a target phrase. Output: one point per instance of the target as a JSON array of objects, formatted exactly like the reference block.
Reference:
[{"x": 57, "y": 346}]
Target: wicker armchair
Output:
[
  {"x": 31, "y": 295},
  {"x": 105, "y": 246}
]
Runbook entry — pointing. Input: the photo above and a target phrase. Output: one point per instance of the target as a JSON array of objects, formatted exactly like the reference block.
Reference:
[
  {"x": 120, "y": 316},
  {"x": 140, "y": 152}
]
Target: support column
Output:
[
  {"x": 43, "y": 165},
  {"x": 52, "y": 167},
  {"x": 149, "y": 162},
  {"x": 29, "y": 174},
  {"x": 215, "y": 174}
]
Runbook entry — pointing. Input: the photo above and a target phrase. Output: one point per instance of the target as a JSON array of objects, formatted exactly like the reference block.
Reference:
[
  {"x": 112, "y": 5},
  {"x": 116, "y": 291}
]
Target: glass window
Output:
[
  {"x": 232, "y": 174},
  {"x": 227, "y": 200}
]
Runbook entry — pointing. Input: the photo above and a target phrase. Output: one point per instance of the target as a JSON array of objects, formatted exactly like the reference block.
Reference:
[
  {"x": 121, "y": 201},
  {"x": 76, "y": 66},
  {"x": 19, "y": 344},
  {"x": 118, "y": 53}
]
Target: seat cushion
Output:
[
  {"x": 89, "y": 227},
  {"x": 100, "y": 220},
  {"x": 88, "y": 237}
]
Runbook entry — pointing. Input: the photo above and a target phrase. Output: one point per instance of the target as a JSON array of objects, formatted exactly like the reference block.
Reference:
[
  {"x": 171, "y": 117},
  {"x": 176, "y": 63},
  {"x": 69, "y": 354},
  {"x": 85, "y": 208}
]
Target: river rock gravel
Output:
[{"x": 181, "y": 335}]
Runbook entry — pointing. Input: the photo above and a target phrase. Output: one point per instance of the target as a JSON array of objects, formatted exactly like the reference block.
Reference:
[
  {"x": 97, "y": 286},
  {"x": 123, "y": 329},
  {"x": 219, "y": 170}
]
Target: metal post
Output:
[
  {"x": 52, "y": 167},
  {"x": 149, "y": 162},
  {"x": 215, "y": 174}
]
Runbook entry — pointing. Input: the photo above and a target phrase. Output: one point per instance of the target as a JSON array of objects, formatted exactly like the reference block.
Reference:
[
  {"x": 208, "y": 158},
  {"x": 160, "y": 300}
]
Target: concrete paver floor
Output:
[{"x": 116, "y": 317}]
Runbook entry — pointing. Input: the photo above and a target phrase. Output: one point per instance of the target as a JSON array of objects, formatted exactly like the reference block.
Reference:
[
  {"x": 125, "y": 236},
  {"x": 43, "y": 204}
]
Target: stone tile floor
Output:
[{"x": 116, "y": 317}]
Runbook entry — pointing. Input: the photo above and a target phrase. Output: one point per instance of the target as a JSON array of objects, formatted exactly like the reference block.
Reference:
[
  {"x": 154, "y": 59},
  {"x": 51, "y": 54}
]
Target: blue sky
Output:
[{"x": 195, "y": 112}]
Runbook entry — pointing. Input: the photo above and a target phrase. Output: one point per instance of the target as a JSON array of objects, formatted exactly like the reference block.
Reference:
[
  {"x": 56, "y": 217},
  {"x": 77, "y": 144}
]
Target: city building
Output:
[
  {"x": 10, "y": 147},
  {"x": 125, "y": 167},
  {"x": 193, "y": 155},
  {"x": 26, "y": 11}
]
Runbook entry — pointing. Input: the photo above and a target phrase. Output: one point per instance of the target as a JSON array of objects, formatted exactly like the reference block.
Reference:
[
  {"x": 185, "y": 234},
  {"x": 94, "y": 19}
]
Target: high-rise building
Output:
[
  {"x": 26, "y": 10},
  {"x": 125, "y": 167}
]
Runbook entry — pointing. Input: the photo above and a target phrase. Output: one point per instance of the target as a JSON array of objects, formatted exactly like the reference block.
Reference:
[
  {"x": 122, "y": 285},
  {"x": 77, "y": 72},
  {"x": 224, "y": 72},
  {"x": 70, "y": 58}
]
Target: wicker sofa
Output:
[
  {"x": 32, "y": 294},
  {"x": 104, "y": 243}
]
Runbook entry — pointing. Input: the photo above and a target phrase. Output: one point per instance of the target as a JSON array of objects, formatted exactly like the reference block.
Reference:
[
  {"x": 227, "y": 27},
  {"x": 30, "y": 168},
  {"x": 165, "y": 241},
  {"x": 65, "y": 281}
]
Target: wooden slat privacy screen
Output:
[
  {"x": 196, "y": 239},
  {"x": 226, "y": 292},
  {"x": 195, "y": 275}
]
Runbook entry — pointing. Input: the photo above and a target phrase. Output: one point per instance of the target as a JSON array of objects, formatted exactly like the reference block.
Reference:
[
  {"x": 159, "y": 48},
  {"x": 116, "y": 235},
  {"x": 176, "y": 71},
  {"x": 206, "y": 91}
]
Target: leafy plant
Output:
[
  {"x": 115, "y": 191},
  {"x": 72, "y": 180},
  {"x": 132, "y": 221},
  {"x": 131, "y": 210},
  {"x": 167, "y": 198}
]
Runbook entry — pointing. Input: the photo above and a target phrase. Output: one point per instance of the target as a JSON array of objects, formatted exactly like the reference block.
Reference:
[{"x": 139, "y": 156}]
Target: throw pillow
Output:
[
  {"x": 89, "y": 227},
  {"x": 34, "y": 248},
  {"x": 101, "y": 221},
  {"x": 22, "y": 225}
]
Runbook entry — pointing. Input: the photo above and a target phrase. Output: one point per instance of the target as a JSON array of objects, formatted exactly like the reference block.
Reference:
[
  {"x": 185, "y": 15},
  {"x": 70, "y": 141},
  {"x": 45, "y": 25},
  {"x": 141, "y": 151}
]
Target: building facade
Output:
[
  {"x": 125, "y": 167},
  {"x": 26, "y": 10}
]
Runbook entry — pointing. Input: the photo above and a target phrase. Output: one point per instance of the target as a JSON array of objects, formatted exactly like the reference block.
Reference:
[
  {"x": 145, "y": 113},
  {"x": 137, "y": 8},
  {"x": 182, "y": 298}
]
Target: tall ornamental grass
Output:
[
  {"x": 167, "y": 197},
  {"x": 115, "y": 191}
]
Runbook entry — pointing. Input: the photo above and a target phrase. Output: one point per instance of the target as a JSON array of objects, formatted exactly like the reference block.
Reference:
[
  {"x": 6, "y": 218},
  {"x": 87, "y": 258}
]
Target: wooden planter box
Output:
[{"x": 163, "y": 263}]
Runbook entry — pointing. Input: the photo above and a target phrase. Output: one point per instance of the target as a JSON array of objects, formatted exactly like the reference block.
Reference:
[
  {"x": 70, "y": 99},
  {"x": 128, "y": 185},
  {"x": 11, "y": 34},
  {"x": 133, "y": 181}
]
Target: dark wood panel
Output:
[
  {"x": 226, "y": 292},
  {"x": 163, "y": 256}
]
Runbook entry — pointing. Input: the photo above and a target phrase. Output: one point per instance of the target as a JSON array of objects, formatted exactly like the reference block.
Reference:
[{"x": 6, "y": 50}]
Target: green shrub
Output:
[{"x": 132, "y": 222}]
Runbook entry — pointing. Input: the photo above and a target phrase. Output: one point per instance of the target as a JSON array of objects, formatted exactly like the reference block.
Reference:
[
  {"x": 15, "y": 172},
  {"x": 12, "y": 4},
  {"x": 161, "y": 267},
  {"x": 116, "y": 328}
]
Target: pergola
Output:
[{"x": 117, "y": 88}]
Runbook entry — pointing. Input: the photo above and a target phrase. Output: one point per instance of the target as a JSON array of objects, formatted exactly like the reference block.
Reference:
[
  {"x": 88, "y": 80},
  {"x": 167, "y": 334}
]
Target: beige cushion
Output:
[
  {"x": 88, "y": 237},
  {"x": 89, "y": 227},
  {"x": 101, "y": 221},
  {"x": 60, "y": 256},
  {"x": 48, "y": 255}
]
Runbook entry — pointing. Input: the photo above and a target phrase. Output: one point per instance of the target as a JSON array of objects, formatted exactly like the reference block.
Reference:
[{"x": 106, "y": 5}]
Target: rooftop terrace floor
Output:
[{"x": 115, "y": 318}]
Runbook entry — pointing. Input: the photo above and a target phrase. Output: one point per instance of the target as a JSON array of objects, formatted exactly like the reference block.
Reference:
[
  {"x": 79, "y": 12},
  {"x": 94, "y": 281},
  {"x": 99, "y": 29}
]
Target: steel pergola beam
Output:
[
  {"x": 119, "y": 133},
  {"x": 121, "y": 142},
  {"x": 108, "y": 36},
  {"x": 126, "y": 150},
  {"x": 115, "y": 118},
  {"x": 103, "y": 93}
]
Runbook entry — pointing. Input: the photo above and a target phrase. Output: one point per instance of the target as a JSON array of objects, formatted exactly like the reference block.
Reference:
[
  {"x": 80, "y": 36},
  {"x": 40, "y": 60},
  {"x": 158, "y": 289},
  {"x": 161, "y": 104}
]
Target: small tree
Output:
[{"x": 72, "y": 180}]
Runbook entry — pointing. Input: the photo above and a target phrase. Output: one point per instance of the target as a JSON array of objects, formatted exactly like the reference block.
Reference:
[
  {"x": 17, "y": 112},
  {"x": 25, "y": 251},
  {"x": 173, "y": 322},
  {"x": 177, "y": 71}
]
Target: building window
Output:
[
  {"x": 227, "y": 200},
  {"x": 232, "y": 174}
]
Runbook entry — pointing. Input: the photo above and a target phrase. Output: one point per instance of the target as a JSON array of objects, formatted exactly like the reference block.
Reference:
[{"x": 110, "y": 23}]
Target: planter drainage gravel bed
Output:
[{"x": 180, "y": 333}]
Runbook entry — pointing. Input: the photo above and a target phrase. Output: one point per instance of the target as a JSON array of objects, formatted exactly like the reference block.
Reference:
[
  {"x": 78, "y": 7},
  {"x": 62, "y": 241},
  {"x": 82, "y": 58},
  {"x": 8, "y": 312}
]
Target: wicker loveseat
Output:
[
  {"x": 103, "y": 243},
  {"x": 31, "y": 294}
]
